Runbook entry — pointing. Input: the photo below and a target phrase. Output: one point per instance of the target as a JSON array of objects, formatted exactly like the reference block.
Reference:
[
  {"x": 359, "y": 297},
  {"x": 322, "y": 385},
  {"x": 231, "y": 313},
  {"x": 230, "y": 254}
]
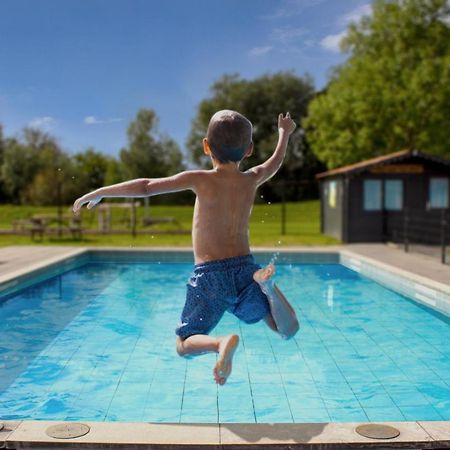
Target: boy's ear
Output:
[
  {"x": 206, "y": 148},
  {"x": 249, "y": 150}
]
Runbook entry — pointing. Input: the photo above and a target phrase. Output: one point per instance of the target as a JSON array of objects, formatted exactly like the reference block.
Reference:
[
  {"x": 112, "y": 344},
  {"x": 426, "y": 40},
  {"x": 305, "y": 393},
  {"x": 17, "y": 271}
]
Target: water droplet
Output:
[
  {"x": 159, "y": 262},
  {"x": 73, "y": 178},
  {"x": 279, "y": 242},
  {"x": 262, "y": 196},
  {"x": 262, "y": 221},
  {"x": 153, "y": 237},
  {"x": 59, "y": 169},
  {"x": 269, "y": 203}
]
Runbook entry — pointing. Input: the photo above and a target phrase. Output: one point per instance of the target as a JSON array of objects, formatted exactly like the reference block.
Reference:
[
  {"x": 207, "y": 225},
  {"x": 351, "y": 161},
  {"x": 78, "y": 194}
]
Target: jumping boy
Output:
[{"x": 225, "y": 277}]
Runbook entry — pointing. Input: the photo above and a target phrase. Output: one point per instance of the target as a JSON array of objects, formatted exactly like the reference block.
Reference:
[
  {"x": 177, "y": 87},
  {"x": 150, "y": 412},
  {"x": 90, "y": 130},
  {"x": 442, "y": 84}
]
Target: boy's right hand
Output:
[
  {"x": 90, "y": 199},
  {"x": 286, "y": 123}
]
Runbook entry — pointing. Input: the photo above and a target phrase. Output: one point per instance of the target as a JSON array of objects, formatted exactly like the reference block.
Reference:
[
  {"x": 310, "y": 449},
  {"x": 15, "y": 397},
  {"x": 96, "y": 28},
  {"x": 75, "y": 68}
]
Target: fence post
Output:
[
  {"x": 405, "y": 230},
  {"x": 443, "y": 232}
]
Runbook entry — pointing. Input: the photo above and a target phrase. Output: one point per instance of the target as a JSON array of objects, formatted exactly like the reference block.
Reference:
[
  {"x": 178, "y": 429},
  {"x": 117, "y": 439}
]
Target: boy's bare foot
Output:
[
  {"x": 227, "y": 347},
  {"x": 264, "y": 275}
]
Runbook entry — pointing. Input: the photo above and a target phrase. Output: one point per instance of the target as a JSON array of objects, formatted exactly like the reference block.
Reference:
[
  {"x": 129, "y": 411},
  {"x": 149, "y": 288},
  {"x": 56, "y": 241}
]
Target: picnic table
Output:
[{"x": 41, "y": 224}]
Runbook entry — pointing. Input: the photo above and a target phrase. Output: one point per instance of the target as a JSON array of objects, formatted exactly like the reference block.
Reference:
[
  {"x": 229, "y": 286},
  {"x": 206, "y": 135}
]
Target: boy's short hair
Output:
[{"x": 229, "y": 135}]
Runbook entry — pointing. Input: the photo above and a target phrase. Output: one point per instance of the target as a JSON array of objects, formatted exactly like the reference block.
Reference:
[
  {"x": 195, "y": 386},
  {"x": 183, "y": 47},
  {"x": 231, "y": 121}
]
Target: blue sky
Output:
[{"x": 81, "y": 69}]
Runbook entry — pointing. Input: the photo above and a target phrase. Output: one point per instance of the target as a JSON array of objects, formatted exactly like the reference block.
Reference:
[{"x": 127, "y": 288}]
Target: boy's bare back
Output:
[{"x": 222, "y": 210}]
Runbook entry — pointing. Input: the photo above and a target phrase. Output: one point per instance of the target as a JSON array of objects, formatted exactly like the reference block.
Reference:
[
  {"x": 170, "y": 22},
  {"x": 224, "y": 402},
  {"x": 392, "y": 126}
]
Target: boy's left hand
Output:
[
  {"x": 90, "y": 199},
  {"x": 286, "y": 123}
]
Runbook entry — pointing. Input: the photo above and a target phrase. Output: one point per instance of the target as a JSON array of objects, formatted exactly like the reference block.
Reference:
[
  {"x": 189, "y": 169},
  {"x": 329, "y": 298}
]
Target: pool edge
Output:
[{"x": 413, "y": 435}]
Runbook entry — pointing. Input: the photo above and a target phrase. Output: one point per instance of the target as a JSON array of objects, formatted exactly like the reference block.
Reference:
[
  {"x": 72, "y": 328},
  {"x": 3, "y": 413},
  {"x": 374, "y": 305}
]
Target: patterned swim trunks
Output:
[{"x": 219, "y": 286}]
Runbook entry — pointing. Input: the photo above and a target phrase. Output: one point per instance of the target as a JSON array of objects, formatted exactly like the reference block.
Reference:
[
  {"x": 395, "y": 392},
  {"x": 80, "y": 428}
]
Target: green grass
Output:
[{"x": 302, "y": 226}]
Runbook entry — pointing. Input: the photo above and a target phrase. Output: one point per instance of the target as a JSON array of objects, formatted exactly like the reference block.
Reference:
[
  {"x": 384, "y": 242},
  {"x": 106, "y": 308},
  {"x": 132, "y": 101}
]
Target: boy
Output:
[{"x": 225, "y": 276}]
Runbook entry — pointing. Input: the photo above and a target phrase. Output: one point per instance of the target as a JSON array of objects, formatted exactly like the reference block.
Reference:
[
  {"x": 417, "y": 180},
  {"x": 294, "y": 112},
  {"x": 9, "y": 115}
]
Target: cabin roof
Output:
[{"x": 382, "y": 160}]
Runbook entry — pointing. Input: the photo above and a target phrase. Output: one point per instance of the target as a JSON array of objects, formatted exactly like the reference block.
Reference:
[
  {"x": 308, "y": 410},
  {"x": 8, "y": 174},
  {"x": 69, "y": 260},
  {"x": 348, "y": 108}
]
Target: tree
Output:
[
  {"x": 54, "y": 180},
  {"x": 35, "y": 170},
  {"x": 90, "y": 169},
  {"x": 20, "y": 165},
  {"x": 260, "y": 100},
  {"x": 148, "y": 154},
  {"x": 393, "y": 92}
]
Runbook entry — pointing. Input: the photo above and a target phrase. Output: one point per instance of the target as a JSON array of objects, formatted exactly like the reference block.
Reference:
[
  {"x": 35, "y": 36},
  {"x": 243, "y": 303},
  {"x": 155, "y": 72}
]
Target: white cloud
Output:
[
  {"x": 45, "y": 123},
  {"x": 259, "y": 51},
  {"x": 287, "y": 35},
  {"x": 291, "y": 8},
  {"x": 356, "y": 14},
  {"x": 92, "y": 120},
  {"x": 332, "y": 41}
]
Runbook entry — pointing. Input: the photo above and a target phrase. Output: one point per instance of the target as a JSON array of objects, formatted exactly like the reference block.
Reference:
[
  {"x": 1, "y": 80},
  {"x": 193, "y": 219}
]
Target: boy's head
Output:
[{"x": 229, "y": 136}]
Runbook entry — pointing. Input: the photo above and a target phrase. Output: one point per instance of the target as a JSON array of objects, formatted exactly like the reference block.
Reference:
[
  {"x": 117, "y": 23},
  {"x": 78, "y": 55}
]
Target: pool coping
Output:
[
  {"x": 334, "y": 435},
  {"x": 304, "y": 436}
]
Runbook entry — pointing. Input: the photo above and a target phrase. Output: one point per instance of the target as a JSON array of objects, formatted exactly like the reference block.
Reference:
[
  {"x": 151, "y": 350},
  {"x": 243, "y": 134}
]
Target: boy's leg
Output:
[
  {"x": 283, "y": 318},
  {"x": 225, "y": 346}
]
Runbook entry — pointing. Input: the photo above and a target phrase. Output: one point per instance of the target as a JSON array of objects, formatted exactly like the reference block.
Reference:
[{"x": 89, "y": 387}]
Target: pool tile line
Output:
[
  {"x": 248, "y": 372},
  {"x": 326, "y": 406}
]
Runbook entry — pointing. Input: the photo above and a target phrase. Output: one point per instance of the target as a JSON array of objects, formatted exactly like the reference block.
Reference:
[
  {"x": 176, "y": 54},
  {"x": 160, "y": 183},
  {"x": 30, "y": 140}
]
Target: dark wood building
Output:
[{"x": 374, "y": 200}]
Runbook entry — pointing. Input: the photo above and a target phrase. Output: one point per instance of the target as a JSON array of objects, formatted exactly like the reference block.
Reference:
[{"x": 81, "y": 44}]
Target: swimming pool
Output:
[{"x": 97, "y": 343}]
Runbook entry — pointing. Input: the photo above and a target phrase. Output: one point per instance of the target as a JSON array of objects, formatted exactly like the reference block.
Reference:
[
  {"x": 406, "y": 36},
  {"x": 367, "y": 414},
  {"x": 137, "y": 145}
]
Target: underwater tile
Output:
[{"x": 386, "y": 414}]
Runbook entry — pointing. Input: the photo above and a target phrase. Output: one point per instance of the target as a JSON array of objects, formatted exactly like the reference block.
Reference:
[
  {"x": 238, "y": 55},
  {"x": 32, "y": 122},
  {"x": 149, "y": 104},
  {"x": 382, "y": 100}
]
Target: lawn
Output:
[{"x": 302, "y": 226}]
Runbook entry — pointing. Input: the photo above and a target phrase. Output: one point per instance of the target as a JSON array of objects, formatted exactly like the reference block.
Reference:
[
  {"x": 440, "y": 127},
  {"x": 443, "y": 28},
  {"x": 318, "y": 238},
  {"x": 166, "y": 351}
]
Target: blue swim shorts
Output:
[{"x": 219, "y": 286}]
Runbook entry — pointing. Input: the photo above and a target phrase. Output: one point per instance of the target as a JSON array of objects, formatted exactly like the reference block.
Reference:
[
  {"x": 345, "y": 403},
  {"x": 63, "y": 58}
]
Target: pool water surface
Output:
[{"x": 98, "y": 343}]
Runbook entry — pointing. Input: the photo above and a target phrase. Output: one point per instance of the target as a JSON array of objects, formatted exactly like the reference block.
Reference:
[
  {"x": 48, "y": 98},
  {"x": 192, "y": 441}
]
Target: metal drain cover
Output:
[
  {"x": 376, "y": 431},
  {"x": 67, "y": 430}
]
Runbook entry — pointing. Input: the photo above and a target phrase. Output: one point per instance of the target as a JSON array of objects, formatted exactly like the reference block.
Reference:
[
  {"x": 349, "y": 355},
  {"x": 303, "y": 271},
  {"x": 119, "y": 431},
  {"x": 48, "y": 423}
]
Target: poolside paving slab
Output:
[
  {"x": 32, "y": 434},
  {"x": 439, "y": 431},
  {"x": 334, "y": 436},
  {"x": 323, "y": 436},
  {"x": 8, "y": 427}
]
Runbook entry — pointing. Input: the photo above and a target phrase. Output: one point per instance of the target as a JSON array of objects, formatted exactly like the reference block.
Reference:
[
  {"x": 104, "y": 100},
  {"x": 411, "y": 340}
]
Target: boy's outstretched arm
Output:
[
  {"x": 141, "y": 187},
  {"x": 270, "y": 167}
]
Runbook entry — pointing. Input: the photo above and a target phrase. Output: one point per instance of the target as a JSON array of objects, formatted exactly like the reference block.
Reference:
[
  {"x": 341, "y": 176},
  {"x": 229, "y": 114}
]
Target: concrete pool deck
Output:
[{"x": 17, "y": 261}]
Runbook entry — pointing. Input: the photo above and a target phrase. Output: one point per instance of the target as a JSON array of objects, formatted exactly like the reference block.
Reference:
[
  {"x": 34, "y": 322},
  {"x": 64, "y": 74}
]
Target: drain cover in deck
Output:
[
  {"x": 375, "y": 431},
  {"x": 67, "y": 430}
]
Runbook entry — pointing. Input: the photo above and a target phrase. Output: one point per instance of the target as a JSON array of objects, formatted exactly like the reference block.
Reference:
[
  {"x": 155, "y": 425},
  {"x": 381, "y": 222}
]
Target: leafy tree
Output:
[
  {"x": 35, "y": 170},
  {"x": 393, "y": 92},
  {"x": 114, "y": 172},
  {"x": 149, "y": 155},
  {"x": 261, "y": 100},
  {"x": 53, "y": 182},
  {"x": 90, "y": 168},
  {"x": 20, "y": 165}
]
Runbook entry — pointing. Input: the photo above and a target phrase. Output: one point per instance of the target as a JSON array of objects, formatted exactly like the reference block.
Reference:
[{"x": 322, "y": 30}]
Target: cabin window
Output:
[
  {"x": 438, "y": 197},
  {"x": 372, "y": 195},
  {"x": 332, "y": 194},
  {"x": 393, "y": 195}
]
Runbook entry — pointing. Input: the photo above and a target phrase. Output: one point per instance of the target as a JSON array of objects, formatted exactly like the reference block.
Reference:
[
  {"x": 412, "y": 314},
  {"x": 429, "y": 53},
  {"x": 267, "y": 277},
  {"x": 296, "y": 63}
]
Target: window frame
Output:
[
  {"x": 378, "y": 181},
  {"x": 429, "y": 204}
]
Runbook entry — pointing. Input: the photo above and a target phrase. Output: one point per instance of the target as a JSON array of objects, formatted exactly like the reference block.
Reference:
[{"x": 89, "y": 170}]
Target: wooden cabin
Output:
[{"x": 371, "y": 201}]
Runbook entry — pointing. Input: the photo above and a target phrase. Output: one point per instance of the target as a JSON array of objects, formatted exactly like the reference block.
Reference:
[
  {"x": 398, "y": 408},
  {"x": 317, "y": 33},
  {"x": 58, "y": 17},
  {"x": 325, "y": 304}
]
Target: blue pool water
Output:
[{"x": 97, "y": 343}]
